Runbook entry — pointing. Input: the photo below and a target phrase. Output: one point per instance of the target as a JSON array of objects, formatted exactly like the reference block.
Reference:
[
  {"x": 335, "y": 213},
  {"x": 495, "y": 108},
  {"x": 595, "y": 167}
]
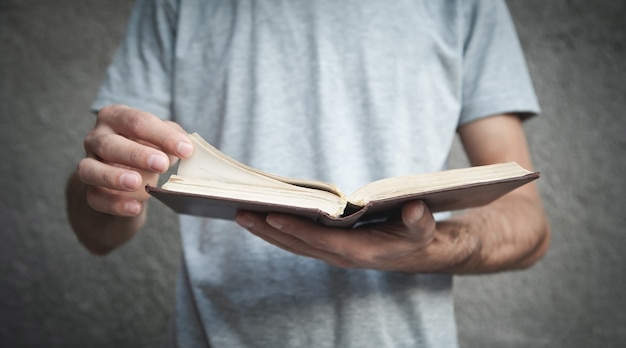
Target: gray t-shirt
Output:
[{"x": 341, "y": 91}]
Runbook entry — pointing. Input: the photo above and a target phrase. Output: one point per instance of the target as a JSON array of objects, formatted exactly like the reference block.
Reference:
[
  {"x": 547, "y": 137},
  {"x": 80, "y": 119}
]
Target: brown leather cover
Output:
[{"x": 440, "y": 200}]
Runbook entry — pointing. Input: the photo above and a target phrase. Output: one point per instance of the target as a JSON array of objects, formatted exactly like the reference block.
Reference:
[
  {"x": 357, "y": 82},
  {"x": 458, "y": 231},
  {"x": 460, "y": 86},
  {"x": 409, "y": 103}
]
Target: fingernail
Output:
[
  {"x": 132, "y": 208},
  {"x": 274, "y": 222},
  {"x": 419, "y": 212},
  {"x": 184, "y": 149},
  {"x": 130, "y": 181},
  {"x": 414, "y": 215},
  {"x": 244, "y": 221},
  {"x": 158, "y": 163}
]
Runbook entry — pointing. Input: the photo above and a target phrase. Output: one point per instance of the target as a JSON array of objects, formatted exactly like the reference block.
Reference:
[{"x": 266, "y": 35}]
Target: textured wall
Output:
[{"x": 54, "y": 294}]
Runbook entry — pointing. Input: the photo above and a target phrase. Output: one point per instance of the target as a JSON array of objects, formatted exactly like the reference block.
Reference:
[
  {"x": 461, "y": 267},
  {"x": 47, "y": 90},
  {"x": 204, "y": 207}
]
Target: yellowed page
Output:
[
  {"x": 396, "y": 186},
  {"x": 208, "y": 163}
]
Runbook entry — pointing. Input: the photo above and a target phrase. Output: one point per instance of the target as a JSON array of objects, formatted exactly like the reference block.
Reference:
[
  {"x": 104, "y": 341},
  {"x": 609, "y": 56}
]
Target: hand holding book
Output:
[{"x": 393, "y": 245}]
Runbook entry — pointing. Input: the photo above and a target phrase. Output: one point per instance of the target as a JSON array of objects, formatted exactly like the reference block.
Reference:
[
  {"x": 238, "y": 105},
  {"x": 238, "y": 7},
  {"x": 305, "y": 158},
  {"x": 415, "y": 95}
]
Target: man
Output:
[{"x": 345, "y": 92}]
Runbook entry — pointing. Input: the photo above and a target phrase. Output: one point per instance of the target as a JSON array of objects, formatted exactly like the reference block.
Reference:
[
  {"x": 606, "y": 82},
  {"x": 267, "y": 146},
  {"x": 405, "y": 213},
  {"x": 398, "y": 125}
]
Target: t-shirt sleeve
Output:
[
  {"x": 140, "y": 74},
  {"x": 495, "y": 75}
]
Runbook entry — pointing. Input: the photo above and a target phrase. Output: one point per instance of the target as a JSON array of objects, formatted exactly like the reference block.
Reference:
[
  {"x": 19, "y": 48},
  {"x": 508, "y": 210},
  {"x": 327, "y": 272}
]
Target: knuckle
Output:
[
  {"x": 93, "y": 198},
  {"x": 126, "y": 120},
  {"x": 109, "y": 180},
  {"x": 89, "y": 140},
  {"x": 361, "y": 257},
  {"x": 93, "y": 177},
  {"x": 135, "y": 157},
  {"x": 108, "y": 110},
  {"x": 320, "y": 243},
  {"x": 82, "y": 168},
  {"x": 135, "y": 122},
  {"x": 100, "y": 145},
  {"x": 106, "y": 113}
]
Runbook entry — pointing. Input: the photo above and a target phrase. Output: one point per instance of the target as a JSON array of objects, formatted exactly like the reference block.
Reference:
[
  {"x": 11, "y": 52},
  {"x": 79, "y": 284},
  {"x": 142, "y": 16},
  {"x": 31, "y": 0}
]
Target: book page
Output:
[
  {"x": 448, "y": 179},
  {"x": 209, "y": 163}
]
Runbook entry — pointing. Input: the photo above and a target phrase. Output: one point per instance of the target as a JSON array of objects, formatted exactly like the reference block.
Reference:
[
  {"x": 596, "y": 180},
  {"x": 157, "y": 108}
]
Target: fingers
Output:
[
  {"x": 345, "y": 248},
  {"x": 111, "y": 202},
  {"x": 117, "y": 149},
  {"x": 144, "y": 127},
  {"x": 258, "y": 225},
  {"x": 95, "y": 173},
  {"x": 130, "y": 138},
  {"x": 381, "y": 246},
  {"x": 126, "y": 150},
  {"x": 114, "y": 190}
]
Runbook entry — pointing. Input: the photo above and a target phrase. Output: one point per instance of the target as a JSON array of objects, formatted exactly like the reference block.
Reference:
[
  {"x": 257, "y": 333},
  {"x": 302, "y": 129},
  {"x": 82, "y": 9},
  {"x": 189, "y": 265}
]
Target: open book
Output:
[{"x": 211, "y": 184}]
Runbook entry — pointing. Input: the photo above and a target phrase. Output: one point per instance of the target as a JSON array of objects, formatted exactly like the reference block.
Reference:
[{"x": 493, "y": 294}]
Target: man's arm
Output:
[
  {"x": 513, "y": 231},
  {"x": 126, "y": 149},
  {"x": 510, "y": 233}
]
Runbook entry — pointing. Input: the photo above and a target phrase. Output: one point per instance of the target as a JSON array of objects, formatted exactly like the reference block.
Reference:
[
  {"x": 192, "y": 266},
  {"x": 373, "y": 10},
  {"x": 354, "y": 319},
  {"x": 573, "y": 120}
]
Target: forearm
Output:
[
  {"x": 511, "y": 233},
  {"x": 99, "y": 232}
]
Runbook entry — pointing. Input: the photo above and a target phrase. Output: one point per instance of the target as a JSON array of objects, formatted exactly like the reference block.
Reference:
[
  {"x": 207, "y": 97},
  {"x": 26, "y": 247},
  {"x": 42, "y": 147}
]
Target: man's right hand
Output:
[{"x": 126, "y": 150}]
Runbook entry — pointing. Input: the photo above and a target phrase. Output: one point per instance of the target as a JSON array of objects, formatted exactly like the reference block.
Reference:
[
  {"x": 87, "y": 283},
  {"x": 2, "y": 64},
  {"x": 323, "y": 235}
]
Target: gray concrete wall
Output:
[{"x": 54, "y": 294}]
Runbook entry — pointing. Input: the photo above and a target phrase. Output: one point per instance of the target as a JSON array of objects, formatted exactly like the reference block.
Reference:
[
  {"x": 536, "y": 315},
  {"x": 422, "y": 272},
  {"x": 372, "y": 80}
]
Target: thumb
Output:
[{"x": 419, "y": 221}]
